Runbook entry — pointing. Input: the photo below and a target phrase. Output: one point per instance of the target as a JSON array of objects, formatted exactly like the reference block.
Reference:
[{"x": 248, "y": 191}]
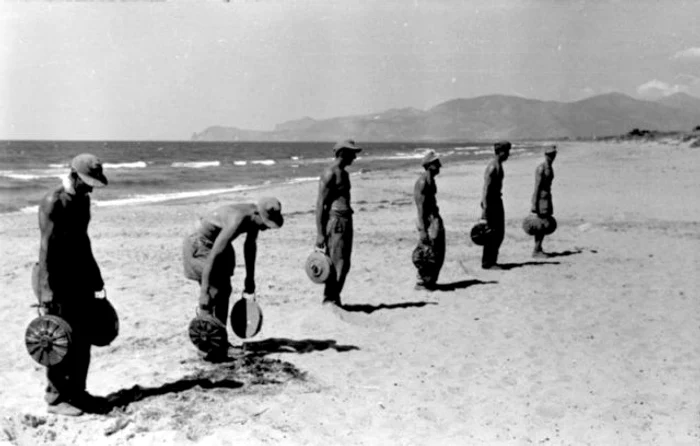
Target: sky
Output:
[{"x": 162, "y": 71}]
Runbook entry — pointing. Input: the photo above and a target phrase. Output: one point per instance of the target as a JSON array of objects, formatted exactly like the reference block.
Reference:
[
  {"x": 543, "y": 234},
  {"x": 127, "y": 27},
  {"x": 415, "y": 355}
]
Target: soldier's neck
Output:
[{"x": 68, "y": 185}]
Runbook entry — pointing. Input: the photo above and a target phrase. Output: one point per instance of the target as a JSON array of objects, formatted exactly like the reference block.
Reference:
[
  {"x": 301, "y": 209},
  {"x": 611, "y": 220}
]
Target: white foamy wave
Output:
[
  {"x": 302, "y": 180},
  {"x": 154, "y": 198},
  {"x": 240, "y": 163},
  {"x": 466, "y": 148},
  {"x": 295, "y": 158},
  {"x": 263, "y": 162},
  {"x": 33, "y": 174},
  {"x": 196, "y": 164},
  {"x": 134, "y": 165},
  {"x": 58, "y": 166}
]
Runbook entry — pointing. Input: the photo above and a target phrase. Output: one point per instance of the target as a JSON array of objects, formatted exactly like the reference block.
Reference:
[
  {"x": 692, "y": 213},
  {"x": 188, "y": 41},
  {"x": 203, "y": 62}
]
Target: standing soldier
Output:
[
  {"x": 67, "y": 278},
  {"x": 334, "y": 218},
  {"x": 542, "y": 197},
  {"x": 492, "y": 205},
  {"x": 431, "y": 231}
]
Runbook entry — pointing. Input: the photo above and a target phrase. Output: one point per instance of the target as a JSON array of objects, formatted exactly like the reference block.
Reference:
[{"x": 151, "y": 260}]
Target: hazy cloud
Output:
[
  {"x": 656, "y": 89},
  {"x": 689, "y": 53}
]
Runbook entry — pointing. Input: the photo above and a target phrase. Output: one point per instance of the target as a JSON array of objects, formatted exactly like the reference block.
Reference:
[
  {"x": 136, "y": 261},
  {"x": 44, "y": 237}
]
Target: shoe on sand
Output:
[
  {"x": 492, "y": 267},
  {"x": 65, "y": 409},
  {"x": 539, "y": 255}
]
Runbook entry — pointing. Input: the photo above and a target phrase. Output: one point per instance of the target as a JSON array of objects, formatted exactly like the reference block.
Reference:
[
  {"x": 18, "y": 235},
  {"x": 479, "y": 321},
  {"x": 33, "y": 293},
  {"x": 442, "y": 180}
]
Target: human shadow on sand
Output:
[
  {"x": 508, "y": 266},
  {"x": 459, "y": 285},
  {"x": 367, "y": 308},
  {"x": 246, "y": 365},
  {"x": 565, "y": 253},
  {"x": 284, "y": 345}
]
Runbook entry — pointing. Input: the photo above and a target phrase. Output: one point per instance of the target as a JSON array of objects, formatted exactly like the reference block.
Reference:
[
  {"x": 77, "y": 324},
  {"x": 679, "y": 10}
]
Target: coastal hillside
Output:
[{"x": 486, "y": 118}]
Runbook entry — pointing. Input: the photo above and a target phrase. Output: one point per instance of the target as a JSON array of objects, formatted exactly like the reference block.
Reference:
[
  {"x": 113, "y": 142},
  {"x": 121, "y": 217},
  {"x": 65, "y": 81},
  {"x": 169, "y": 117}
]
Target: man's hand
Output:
[
  {"x": 101, "y": 294},
  {"x": 49, "y": 308},
  {"x": 321, "y": 241},
  {"x": 249, "y": 285},
  {"x": 202, "y": 312},
  {"x": 424, "y": 237}
]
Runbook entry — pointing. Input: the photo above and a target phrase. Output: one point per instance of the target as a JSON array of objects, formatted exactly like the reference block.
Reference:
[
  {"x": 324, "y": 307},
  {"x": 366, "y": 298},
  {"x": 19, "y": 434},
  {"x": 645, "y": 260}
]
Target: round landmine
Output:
[
  {"x": 208, "y": 334},
  {"x": 480, "y": 233},
  {"x": 533, "y": 224},
  {"x": 318, "y": 267},
  {"x": 103, "y": 324},
  {"x": 423, "y": 256},
  {"x": 48, "y": 339},
  {"x": 246, "y": 318}
]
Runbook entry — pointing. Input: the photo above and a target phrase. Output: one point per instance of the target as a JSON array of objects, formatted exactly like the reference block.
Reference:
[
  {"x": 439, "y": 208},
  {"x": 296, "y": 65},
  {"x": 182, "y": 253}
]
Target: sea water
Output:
[{"x": 153, "y": 171}]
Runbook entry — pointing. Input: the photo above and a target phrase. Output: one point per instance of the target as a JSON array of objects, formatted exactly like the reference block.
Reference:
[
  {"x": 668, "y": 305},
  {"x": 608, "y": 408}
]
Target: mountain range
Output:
[{"x": 486, "y": 118}]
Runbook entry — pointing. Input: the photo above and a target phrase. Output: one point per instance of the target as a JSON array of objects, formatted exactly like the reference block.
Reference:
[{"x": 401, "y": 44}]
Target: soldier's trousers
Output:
[
  {"x": 339, "y": 235},
  {"x": 66, "y": 380},
  {"x": 496, "y": 221},
  {"x": 436, "y": 241}
]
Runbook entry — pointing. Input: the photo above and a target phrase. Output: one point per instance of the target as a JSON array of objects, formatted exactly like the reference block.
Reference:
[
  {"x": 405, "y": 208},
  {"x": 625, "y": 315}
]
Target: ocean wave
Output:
[
  {"x": 33, "y": 174},
  {"x": 263, "y": 162},
  {"x": 196, "y": 164},
  {"x": 301, "y": 180},
  {"x": 467, "y": 148},
  {"x": 240, "y": 163},
  {"x": 134, "y": 165}
]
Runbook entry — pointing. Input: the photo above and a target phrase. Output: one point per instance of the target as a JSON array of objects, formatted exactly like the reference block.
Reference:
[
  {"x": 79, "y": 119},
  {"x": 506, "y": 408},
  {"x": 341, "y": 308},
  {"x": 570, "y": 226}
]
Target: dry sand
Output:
[{"x": 599, "y": 345}]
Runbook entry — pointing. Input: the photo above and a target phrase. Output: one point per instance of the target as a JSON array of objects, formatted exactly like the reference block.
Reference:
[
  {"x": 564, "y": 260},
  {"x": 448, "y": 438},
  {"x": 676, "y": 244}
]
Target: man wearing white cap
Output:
[
  {"x": 67, "y": 277},
  {"x": 209, "y": 258},
  {"x": 334, "y": 218},
  {"x": 431, "y": 230},
  {"x": 542, "y": 196}
]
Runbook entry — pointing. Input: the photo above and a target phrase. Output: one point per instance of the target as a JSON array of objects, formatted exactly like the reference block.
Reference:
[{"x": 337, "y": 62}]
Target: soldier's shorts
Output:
[{"x": 195, "y": 251}]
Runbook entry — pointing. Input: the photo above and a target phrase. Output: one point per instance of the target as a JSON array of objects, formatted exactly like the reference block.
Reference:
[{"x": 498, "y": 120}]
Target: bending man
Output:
[
  {"x": 209, "y": 258},
  {"x": 334, "y": 218}
]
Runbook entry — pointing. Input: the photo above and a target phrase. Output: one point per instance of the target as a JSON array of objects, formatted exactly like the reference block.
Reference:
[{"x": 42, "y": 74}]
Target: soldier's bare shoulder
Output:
[
  {"x": 51, "y": 201},
  {"x": 225, "y": 214}
]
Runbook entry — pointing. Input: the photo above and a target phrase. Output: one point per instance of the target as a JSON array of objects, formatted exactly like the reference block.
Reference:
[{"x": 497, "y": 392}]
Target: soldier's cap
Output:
[
  {"x": 430, "y": 157},
  {"x": 502, "y": 146},
  {"x": 551, "y": 150},
  {"x": 348, "y": 144},
  {"x": 89, "y": 169},
  {"x": 270, "y": 210}
]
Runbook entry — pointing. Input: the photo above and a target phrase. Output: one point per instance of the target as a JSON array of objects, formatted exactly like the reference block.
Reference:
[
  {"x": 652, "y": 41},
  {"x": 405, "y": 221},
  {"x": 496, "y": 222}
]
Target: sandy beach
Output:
[{"x": 596, "y": 345}]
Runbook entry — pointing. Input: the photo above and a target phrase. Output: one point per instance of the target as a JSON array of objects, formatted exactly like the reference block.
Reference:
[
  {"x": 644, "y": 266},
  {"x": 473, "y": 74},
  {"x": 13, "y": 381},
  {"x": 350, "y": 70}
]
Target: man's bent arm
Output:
[{"x": 250, "y": 249}]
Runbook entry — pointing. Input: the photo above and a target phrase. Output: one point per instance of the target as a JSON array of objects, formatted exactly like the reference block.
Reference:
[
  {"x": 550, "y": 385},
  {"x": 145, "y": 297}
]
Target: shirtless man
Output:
[
  {"x": 431, "y": 231},
  {"x": 208, "y": 255},
  {"x": 334, "y": 218},
  {"x": 542, "y": 197},
  {"x": 492, "y": 205},
  {"x": 67, "y": 277}
]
